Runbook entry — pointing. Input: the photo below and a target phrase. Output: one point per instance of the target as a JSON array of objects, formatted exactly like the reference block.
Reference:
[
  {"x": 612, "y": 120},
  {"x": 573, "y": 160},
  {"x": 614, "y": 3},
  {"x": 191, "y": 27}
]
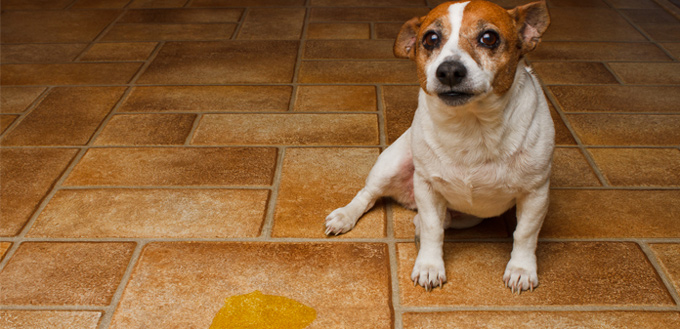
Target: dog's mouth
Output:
[{"x": 455, "y": 98}]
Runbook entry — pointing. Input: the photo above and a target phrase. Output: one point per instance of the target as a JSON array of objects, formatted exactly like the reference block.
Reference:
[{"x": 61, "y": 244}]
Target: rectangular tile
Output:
[
  {"x": 272, "y": 24},
  {"x": 335, "y": 98},
  {"x": 357, "y": 72},
  {"x": 648, "y": 73},
  {"x": 570, "y": 169},
  {"x": 180, "y": 16},
  {"x": 243, "y": 3},
  {"x": 573, "y": 73},
  {"x": 110, "y": 51},
  {"x": 475, "y": 271},
  {"x": 589, "y": 24},
  {"x": 71, "y": 273},
  {"x": 367, "y": 3},
  {"x": 400, "y": 103},
  {"x": 338, "y": 31},
  {"x": 350, "y": 288},
  {"x": 207, "y": 99},
  {"x": 634, "y": 4},
  {"x": 157, "y": 3},
  {"x": 384, "y": 14},
  {"x": 146, "y": 129},
  {"x": 68, "y": 74},
  {"x": 152, "y": 213},
  {"x": 100, "y": 4},
  {"x": 287, "y": 129},
  {"x": 170, "y": 32},
  {"x": 67, "y": 116},
  {"x": 617, "y": 98},
  {"x": 600, "y": 51},
  {"x": 658, "y": 23},
  {"x": 54, "y": 26},
  {"x": 174, "y": 167},
  {"x": 490, "y": 228},
  {"x": 613, "y": 214},
  {"x": 638, "y": 166},
  {"x": 18, "y": 99},
  {"x": 348, "y": 49},
  {"x": 41, "y": 53},
  {"x": 319, "y": 180},
  {"x": 624, "y": 129},
  {"x": 27, "y": 175},
  {"x": 49, "y": 319},
  {"x": 667, "y": 254},
  {"x": 235, "y": 61},
  {"x": 34, "y": 4}
]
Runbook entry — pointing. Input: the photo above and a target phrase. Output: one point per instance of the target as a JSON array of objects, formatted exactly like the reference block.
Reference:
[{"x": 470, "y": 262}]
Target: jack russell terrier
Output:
[{"x": 481, "y": 140}]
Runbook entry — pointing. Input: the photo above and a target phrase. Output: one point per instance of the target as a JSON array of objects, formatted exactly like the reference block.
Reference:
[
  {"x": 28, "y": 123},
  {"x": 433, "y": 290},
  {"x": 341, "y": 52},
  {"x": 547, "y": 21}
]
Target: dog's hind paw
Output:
[{"x": 338, "y": 222}]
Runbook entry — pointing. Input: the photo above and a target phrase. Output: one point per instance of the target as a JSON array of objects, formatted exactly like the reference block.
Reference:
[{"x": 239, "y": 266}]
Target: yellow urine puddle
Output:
[{"x": 259, "y": 311}]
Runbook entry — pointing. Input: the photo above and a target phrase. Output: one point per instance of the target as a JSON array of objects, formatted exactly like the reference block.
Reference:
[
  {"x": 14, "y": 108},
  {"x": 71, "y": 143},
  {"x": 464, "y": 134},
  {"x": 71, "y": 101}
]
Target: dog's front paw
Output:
[
  {"x": 428, "y": 271},
  {"x": 338, "y": 222},
  {"x": 519, "y": 277}
]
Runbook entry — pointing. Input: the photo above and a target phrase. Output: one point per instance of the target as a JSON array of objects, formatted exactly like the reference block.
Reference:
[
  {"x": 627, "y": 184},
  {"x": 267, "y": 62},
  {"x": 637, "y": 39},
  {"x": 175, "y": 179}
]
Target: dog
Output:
[{"x": 482, "y": 137}]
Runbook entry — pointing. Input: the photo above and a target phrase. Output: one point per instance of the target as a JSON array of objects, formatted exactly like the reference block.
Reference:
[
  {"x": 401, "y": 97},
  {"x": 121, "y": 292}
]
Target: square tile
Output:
[
  {"x": 170, "y": 32},
  {"x": 648, "y": 73},
  {"x": 375, "y": 14},
  {"x": 338, "y": 31},
  {"x": 146, "y": 129},
  {"x": 287, "y": 129},
  {"x": 229, "y": 62},
  {"x": 400, "y": 103},
  {"x": 335, "y": 99},
  {"x": 173, "y": 166},
  {"x": 133, "y": 51},
  {"x": 638, "y": 166},
  {"x": 73, "y": 273},
  {"x": 54, "y": 26},
  {"x": 67, "y": 116},
  {"x": 490, "y": 228},
  {"x": 351, "y": 282},
  {"x": 272, "y": 23},
  {"x": 570, "y": 169},
  {"x": 600, "y": 51},
  {"x": 394, "y": 71},
  {"x": 348, "y": 49},
  {"x": 41, "y": 53},
  {"x": 152, "y": 213},
  {"x": 314, "y": 182},
  {"x": 27, "y": 176},
  {"x": 667, "y": 254},
  {"x": 573, "y": 73},
  {"x": 6, "y": 120},
  {"x": 180, "y": 16},
  {"x": 18, "y": 99},
  {"x": 589, "y": 24},
  {"x": 49, "y": 319},
  {"x": 68, "y": 74},
  {"x": 620, "y": 129},
  {"x": 475, "y": 272},
  {"x": 617, "y": 98},
  {"x": 585, "y": 214}
]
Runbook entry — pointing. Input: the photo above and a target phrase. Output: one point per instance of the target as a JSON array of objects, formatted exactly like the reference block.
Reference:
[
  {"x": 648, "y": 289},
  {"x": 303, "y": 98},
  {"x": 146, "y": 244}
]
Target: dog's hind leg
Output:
[{"x": 391, "y": 175}]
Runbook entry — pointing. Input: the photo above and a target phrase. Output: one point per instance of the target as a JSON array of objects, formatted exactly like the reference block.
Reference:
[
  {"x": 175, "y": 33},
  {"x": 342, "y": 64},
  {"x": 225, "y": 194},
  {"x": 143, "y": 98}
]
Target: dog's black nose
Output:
[{"x": 451, "y": 73}]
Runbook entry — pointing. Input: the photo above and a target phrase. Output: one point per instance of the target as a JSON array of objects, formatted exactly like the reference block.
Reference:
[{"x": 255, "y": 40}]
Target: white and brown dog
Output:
[{"x": 481, "y": 140}]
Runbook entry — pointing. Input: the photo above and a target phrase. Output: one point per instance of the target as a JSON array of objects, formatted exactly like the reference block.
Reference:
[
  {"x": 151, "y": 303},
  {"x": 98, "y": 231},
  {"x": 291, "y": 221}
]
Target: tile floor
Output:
[{"x": 159, "y": 156}]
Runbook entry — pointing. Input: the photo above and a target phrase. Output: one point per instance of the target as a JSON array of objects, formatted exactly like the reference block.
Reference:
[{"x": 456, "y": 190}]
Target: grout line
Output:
[
  {"x": 194, "y": 127},
  {"x": 26, "y": 112},
  {"x": 613, "y": 73},
  {"x": 100, "y": 36},
  {"x": 240, "y": 23},
  {"x": 107, "y": 316},
  {"x": 394, "y": 267},
  {"x": 268, "y": 222},
  {"x": 651, "y": 257},
  {"x": 382, "y": 121}
]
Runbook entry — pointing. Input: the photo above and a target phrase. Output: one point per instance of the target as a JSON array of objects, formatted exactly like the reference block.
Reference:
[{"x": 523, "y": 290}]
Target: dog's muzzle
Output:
[{"x": 451, "y": 74}]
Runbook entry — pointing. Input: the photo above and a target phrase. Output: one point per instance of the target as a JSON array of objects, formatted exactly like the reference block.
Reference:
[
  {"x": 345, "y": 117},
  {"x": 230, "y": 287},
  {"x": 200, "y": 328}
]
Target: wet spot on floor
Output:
[{"x": 257, "y": 310}]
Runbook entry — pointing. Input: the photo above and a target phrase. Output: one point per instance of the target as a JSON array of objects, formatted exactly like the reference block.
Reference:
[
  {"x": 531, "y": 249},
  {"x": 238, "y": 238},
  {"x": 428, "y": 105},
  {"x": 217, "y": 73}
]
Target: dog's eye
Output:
[
  {"x": 489, "y": 39},
  {"x": 431, "y": 40}
]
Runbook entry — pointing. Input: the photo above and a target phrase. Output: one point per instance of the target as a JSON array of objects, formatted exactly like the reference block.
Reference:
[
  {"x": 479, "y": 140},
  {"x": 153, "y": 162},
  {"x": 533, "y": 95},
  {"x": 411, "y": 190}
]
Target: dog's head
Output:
[{"x": 467, "y": 49}]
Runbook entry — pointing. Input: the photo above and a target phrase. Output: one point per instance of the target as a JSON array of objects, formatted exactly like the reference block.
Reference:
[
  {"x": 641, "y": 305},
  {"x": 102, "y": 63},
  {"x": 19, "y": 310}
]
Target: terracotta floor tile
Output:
[
  {"x": 576, "y": 3},
  {"x": 589, "y": 24},
  {"x": 287, "y": 129},
  {"x": 54, "y": 26},
  {"x": 27, "y": 175},
  {"x": 179, "y": 16},
  {"x": 335, "y": 98},
  {"x": 358, "y": 72},
  {"x": 488, "y": 229},
  {"x": 147, "y": 129},
  {"x": 157, "y": 3},
  {"x": 617, "y": 98},
  {"x": 44, "y": 273},
  {"x": 41, "y": 53},
  {"x": 251, "y": 3},
  {"x": 659, "y": 24},
  {"x": 4, "y": 246},
  {"x": 562, "y": 134},
  {"x": 667, "y": 254},
  {"x": 174, "y": 166},
  {"x": 349, "y": 49},
  {"x": 18, "y": 99},
  {"x": 648, "y": 73},
  {"x": 634, "y": 4},
  {"x": 603, "y": 270},
  {"x": 100, "y": 4},
  {"x": 6, "y": 120},
  {"x": 68, "y": 74},
  {"x": 207, "y": 99},
  {"x": 573, "y": 73},
  {"x": 350, "y": 282},
  {"x": 152, "y": 213},
  {"x": 134, "y": 51},
  {"x": 385, "y": 14},
  {"x": 272, "y": 23},
  {"x": 638, "y": 167},
  {"x": 338, "y": 31},
  {"x": 49, "y": 319},
  {"x": 613, "y": 214},
  {"x": 34, "y": 4},
  {"x": 673, "y": 48},
  {"x": 367, "y": 3},
  {"x": 601, "y": 51},
  {"x": 533, "y": 319},
  {"x": 67, "y": 116},
  {"x": 230, "y": 62},
  {"x": 570, "y": 169},
  {"x": 170, "y": 32},
  {"x": 314, "y": 182},
  {"x": 620, "y": 129},
  {"x": 400, "y": 104},
  {"x": 387, "y": 30}
]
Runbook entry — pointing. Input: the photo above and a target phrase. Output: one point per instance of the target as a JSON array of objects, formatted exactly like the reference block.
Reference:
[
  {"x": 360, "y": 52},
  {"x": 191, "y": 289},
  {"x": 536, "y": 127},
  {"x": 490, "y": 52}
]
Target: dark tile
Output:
[
  {"x": 68, "y": 74},
  {"x": 600, "y": 51},
  {"x": 170, "y": 32},
  {"x": 41, "y": 53},
  {"x": 34, "y": 4},
  {"x": 659, "y": 24},
  {"x": 338, "y": 31},
  {"x": 243, "y": 3},
  {"x": 367, "y": 3},
  {"x": 573, "y": 73},
  {"x": 357, "y": 72},
  {"x": 589, "y": 24},
  {"x": 18, "y": 99},
  {"x": 100, "y": 4},
  {"x": 385, "y": 14},
  {"x": 133, "y": 51},
  {"x": 648, "y": 73},
  {"x": 272, "y": 23},
  {"x": 54, "y": 26},
  {"x": 6, "y": 120},
  {"x": 348, "y": 49},
  {"x": 182, "y": 16}
]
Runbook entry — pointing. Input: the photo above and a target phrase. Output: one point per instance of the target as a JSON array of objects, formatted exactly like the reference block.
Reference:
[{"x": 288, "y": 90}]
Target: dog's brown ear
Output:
[
  {"x": 404, "y": 46},
  {"x": 532, "y": 19}
]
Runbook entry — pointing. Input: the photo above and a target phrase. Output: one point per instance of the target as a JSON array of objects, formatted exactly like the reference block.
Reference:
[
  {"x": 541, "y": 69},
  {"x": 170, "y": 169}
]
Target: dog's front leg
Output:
[
  {"x": 429, "y": 269},
  {"x": 520, "y": 273}
]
